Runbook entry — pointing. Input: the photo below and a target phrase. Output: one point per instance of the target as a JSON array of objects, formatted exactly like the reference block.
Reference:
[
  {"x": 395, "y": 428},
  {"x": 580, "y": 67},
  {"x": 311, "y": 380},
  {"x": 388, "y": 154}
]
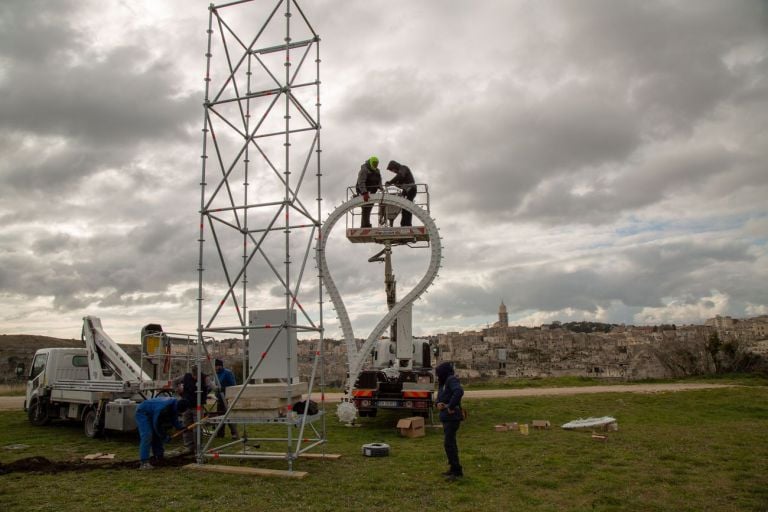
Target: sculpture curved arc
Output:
[{"x": 356, "y": 357}]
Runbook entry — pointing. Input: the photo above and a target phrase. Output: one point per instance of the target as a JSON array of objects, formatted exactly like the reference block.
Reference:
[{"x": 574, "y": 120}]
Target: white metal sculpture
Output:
[{"x": 356, "y": 358}]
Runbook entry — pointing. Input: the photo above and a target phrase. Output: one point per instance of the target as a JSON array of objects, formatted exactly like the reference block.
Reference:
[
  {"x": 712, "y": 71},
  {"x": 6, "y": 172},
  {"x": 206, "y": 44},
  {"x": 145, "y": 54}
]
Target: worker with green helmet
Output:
[{"x": 368, "y": 182}]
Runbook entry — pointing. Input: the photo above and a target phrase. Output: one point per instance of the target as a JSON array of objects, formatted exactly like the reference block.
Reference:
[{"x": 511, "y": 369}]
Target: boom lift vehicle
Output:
[
  {"x": 394, "y": 372},
  {"x": 98, "y": 384}
]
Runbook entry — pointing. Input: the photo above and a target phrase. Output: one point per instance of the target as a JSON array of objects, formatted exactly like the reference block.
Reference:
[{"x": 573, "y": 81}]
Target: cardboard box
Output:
[
  {"x": 512, "y": 425},
  {"x": 411, "y": 427},
  {"x": 540, "y": 424}
]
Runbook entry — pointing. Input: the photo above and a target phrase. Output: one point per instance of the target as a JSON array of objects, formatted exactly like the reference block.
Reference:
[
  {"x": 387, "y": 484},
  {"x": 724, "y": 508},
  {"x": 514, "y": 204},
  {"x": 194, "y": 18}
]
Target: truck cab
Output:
[{"x": 65, "y": 364}]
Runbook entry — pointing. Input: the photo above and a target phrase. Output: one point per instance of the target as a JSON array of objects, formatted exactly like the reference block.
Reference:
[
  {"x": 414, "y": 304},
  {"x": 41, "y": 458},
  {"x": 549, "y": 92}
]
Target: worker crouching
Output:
[{"x": 154, "y": 417}]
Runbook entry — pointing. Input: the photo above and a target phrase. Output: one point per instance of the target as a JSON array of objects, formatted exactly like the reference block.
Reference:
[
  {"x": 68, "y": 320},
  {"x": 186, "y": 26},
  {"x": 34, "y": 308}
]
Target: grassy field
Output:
[
  {"x": 742, "y": 379},
  {"x": 686, "y": 451}
]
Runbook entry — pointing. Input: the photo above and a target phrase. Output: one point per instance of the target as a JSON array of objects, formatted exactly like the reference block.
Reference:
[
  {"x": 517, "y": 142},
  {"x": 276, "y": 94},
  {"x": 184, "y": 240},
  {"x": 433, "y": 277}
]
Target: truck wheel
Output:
[
  {"x": 38, "y": 413},
  {"x": 91, "y": 424}
]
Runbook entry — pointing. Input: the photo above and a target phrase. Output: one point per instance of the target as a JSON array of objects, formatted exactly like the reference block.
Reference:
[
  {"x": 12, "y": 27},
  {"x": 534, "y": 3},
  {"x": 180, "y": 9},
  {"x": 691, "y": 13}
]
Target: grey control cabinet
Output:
[
  {"x": 276, "y": 364},
  {"x": 120, "y": 415}
]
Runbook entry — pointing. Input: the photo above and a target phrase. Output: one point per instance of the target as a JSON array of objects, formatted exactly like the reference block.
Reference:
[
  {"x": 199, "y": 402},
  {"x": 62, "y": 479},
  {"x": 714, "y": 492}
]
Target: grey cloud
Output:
[
  {"x": 645, "y": 276},
  {"x": 143, "y": 260},
  {"x": 371, "y": 101},
  {"x": 629, "y": 92},
  {"x": 69, "y": 120},
  {"x": 500, "y": 155},
  {"x": 35, "y": 31},
  {"x": 107, "y": 102},
  {"x": 51, "y": 244},
  {"x": 684, "y": 170},
  {"x": 60, "y": 171},
  {"x": 116, "y": 299},
  {"x": 679, "y": 78}
]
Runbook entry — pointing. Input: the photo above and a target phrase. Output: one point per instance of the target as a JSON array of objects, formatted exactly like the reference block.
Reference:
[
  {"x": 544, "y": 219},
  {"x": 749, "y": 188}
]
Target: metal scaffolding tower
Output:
[{"x": 260, "y": 176}]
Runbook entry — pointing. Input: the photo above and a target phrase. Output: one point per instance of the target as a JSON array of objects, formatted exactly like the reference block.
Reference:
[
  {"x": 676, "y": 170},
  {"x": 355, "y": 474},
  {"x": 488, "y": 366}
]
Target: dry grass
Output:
[{"x": 686, "y": 451}]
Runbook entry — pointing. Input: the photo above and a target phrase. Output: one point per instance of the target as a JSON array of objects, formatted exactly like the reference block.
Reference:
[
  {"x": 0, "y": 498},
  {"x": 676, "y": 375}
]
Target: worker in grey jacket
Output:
[
  {"x": 403, "y": 180},
  {"x": 368, "y": 182}
]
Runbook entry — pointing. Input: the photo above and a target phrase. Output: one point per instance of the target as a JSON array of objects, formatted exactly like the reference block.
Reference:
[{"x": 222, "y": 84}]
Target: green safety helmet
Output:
[{"x": 373, "y": 161}]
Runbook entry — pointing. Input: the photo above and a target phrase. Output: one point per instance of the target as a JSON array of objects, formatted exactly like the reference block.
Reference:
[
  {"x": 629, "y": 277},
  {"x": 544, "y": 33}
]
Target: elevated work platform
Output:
[{"x": 384, "y": 234}]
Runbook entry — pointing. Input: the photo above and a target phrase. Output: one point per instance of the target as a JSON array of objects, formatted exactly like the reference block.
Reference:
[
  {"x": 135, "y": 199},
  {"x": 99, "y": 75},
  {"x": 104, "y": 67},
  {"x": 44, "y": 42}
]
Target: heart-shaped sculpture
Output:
[{"x": 356, "y": 357}]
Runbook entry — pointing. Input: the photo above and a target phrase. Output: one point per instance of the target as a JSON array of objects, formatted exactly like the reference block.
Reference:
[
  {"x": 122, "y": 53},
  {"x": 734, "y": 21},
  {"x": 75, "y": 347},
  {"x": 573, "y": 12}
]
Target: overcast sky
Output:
[{"x": 587, "y": 160}]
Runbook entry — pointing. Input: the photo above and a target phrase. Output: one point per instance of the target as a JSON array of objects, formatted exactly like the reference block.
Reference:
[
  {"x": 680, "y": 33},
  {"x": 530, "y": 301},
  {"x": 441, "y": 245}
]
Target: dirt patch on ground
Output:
[{"x": 39, "y": 464}]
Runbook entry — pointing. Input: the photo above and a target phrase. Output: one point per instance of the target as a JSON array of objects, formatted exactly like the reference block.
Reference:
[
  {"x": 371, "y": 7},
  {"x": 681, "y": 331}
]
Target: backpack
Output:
[{"x": 311, "y": 410}]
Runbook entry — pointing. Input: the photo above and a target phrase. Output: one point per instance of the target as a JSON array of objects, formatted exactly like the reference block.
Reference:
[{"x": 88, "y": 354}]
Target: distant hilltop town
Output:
[
  {"x": 582, "y": 349},
  {"x": 589, "y": 349}
]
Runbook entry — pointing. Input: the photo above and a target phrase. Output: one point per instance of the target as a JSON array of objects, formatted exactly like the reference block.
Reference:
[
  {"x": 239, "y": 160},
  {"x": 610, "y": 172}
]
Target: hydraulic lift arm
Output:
[{"x": 106, "y": 359}]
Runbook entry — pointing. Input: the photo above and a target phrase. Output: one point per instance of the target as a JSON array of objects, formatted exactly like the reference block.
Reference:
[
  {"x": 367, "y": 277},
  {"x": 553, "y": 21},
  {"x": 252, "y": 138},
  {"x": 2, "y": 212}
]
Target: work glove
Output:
[{"x": 365, "y": 196}]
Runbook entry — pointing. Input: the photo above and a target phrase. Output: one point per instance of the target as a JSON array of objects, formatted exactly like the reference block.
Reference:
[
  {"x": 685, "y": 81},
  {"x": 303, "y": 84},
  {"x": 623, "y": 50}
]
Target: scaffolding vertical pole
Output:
[
  {"x": 288, "y": 301},
  {"x": 318, "y": 151},
  {"x": 247, "y": 125},
  {"x": 201, "y": 237}
]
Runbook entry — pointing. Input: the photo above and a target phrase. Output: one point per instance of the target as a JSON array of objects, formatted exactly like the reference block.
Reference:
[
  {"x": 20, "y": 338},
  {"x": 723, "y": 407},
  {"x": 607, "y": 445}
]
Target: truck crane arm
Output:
[{"x": 105, "y": 354}]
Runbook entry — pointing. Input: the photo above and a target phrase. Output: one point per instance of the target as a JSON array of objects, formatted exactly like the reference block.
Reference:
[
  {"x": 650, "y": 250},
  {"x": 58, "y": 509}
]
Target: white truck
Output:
[
  {"x": 386, "y": 385},
  {"x": 99, "y": 384}
]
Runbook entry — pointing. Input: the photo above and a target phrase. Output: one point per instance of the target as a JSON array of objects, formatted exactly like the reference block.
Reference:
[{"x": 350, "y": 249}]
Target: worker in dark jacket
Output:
[
  {"x": 189, "y": 390},
  {"x": 368, "y": 182},
  {"x": 226, "y": 379},
  {"x": 403, "y": 180},
  {"x": 153, "y": 419},
  {"x": 449, "y": 404}
]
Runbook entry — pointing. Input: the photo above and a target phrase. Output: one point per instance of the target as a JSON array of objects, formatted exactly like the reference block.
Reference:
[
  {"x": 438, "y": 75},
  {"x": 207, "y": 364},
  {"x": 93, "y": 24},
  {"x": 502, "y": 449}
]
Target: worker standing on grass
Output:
[
  {"x": 449, "y": 395},
  {"x": 154, "y": 417},
  {"x": 368, "y": 182},
  {"x": 404, "y": 181},
  {"x": 226, "y": 378},
  {"x": 188, "y": 385}
]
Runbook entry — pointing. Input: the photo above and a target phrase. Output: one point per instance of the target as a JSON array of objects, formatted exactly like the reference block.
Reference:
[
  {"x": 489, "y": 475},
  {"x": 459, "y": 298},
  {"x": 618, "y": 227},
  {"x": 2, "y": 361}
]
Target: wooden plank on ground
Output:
[
  {"x": 332, "y": 456},
  {"x": 244, "y": 470}
]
